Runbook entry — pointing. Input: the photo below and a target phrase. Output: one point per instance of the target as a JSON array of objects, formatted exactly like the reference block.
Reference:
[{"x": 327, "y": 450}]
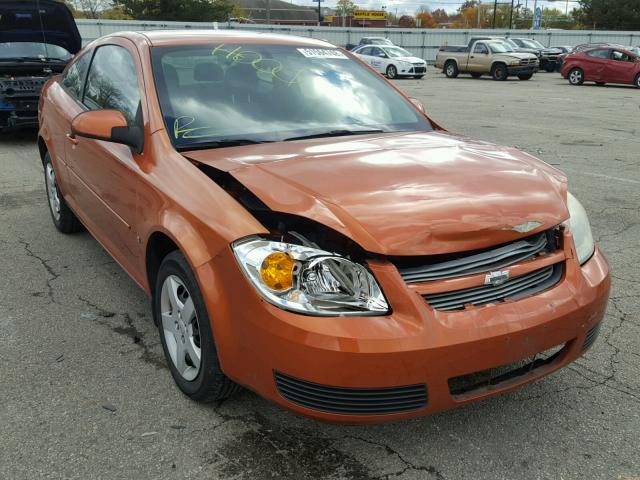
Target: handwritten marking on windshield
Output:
[{"x": 181, "y": 130}]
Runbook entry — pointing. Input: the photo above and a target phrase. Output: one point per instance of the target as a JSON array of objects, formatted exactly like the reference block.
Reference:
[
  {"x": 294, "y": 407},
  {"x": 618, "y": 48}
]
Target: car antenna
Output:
[{"x": 44, "y": 37}]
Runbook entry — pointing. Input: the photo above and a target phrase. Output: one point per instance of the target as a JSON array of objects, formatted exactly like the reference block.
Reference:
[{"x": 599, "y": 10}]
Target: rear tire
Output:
[
  {"x": 185, "y": 332},
  {"x": 525, "y": 76},
  {"x": 499, "y": 72},
  {"x": 476, "y": 75},
  {"x": 637, "y": 82},
  {"x": 63, "y": 218},
  {"x": 451, "y": 69},
  {"x": 576, "y": 77},
  {"x": 392, "y": 72}
]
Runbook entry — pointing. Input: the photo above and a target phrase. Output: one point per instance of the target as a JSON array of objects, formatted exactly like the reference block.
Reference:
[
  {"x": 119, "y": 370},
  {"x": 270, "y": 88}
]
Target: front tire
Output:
[
  {"x": 451, "y": 69},
  {"x": 549, "y": 67},
  {"x": 392, "y": 72},
  {"x": 63, "y": 218},
  {"x": 637, "y": 81},
  {"x": 185, "y": 332},
  {"x": 576, "y": 77},
  {"x": 499, "y": 72},
  {"x": 525, "y": 76}
]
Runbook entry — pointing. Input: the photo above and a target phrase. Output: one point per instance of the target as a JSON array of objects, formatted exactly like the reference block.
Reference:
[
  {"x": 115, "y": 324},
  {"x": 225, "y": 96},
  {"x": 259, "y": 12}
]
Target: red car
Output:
[{"x": 605, "y": 64}]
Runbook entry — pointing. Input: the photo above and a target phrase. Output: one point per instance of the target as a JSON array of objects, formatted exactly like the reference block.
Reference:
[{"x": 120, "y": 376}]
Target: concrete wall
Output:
[{"x": 422, "y": 42}]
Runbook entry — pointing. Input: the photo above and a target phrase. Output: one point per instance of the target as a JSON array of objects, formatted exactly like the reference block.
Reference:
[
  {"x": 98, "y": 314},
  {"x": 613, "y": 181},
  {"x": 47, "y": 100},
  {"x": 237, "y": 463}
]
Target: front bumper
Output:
[
  {"x": 519, "y": 70},
  {"x": 412, "y": 347}
]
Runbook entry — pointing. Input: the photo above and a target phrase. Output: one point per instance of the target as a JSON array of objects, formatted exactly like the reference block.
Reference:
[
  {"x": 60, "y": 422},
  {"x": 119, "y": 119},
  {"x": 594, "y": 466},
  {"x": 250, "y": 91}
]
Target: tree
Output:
[
  {"x": 177, "y": 10},
  {"x": 406, "y": 21},
  {"x": 440, "y": 15},
  {"x": 344, "y": 8},
  {"x": 425, "y": 19},
  {"x": 88, "y": 8},
  {"x": 611, "y": 15}
]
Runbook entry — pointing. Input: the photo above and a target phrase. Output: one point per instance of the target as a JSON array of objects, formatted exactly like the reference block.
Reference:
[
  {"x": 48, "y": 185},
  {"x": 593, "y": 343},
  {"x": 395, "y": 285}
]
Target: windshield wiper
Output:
[
  {"x": 334, "y": 133},
  {"x": 221, "y": 144},
  {"x": 31, "y": 59}
]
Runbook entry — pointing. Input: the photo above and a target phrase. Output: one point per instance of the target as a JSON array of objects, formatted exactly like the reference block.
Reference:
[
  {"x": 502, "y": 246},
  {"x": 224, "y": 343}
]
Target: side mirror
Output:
[
  {"x": 418, "y": 104},
  {"x": 110, "y": 126}
]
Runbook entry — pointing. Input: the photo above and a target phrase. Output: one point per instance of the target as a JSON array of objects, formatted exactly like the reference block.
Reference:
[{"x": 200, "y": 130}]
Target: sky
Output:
[{"x": 410, "y": 6}]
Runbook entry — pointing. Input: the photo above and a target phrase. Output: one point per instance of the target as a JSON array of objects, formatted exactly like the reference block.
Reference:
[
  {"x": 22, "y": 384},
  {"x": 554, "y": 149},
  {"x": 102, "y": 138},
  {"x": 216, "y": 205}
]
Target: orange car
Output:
[{"x": 303, "y": 229}]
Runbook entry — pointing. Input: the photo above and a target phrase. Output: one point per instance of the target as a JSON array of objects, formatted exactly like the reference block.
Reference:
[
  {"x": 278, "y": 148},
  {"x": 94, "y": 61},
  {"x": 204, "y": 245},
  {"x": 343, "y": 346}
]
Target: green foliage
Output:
[
  {"x": 610, "y": 14},
  {"x": 177, "y": 10}
]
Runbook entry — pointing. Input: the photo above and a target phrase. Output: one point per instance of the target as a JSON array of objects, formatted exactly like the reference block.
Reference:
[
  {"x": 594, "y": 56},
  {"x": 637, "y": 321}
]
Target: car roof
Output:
[{"x": 187, "y": 37}]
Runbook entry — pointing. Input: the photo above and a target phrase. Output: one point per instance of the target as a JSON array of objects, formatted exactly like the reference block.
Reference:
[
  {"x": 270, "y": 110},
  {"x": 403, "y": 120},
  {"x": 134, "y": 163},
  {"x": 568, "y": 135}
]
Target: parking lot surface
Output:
[{"x": 84, "y": 391}]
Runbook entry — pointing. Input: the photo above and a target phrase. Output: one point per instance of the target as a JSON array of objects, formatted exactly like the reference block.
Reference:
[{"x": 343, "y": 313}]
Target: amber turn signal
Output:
[{"x": 276, "y": 271}]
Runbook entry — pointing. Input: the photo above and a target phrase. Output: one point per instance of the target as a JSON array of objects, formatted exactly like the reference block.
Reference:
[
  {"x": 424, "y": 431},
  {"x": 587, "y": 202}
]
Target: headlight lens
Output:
[
  {"x": 309, "y": 280},
  {"x": 580, "y": 229}
]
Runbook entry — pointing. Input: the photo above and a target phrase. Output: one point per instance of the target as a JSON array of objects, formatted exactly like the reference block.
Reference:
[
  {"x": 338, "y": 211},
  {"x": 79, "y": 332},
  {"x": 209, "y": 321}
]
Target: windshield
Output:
[
  {"x": 500, "y": 47},
  {"x": 532, "y": 44},
  {"x": 380, "y": 41},
  {"x": 258, "y": 93},
  {"x": 397, "y": 52},
  {"x": 33, "y": 50}
]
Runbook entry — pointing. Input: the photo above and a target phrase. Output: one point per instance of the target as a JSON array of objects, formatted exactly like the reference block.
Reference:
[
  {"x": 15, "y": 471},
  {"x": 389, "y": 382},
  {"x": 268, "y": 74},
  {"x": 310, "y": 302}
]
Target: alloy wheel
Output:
[
  {"x": 575, "y": 77},
  {"x": 392, "y": 72},
  {"x": 52, "y": 191},
  {"x": 180, "y": 327}
]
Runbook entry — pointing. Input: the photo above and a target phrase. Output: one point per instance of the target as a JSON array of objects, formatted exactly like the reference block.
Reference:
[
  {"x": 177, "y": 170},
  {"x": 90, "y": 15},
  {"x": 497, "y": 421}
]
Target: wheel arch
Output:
[
  {"x": 42, "y": 148},
  {"x": 496, "y": 63}
]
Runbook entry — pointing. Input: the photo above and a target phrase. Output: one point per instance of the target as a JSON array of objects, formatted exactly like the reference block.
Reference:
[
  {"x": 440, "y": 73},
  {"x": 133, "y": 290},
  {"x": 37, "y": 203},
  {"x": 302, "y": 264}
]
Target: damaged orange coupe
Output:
[{"x": 303, "y": 229}]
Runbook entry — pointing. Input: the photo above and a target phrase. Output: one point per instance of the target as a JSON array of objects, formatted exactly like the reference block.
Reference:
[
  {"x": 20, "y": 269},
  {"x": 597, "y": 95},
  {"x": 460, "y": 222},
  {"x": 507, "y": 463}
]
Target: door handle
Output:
[{"x": 72, "y": 138}]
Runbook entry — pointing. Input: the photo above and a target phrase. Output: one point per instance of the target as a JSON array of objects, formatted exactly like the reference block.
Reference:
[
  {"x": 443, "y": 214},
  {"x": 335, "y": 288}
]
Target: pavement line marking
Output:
[{"x": 601, "y": 175}]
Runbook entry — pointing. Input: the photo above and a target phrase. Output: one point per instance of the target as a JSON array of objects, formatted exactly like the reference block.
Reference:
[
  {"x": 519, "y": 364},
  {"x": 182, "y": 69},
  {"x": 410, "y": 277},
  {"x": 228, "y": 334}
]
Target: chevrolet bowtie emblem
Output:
[{"x": 496, "y": 278}]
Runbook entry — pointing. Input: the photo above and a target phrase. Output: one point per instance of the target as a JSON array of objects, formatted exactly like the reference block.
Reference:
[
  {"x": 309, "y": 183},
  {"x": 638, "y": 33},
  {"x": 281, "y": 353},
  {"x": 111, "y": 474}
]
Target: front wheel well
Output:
[
  {"x": 158, "y": 247},
  {"x": 42, "y": 148}
]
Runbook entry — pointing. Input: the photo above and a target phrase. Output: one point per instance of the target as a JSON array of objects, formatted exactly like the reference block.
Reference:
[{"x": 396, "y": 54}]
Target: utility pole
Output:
[
  {"x": 319, "y": 14},
  {"x": 511, "y": 17},
  {"x": 535, "y": 7},
  {"x": 495, "y": 12},
  {"x": 479, "y": 8},
  {"x": 268, "y": 15}
]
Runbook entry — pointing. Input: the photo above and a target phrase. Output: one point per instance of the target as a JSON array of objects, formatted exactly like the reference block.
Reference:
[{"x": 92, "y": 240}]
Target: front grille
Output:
[
  {"x": 487, "y": 260},
  {"x": 528, "y": 61},
  {"x": 351, "y": 401},
  {"x": 464, "y": 384},
  {"x": 516, "y": 288},
  {"x": 419, "y": 69},
  {"x": 591, "y": 337}
]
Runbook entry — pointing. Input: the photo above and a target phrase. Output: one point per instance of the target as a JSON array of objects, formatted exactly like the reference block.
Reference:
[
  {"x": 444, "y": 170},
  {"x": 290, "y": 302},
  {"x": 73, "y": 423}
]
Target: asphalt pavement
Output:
[{"x": 85, "y": 393}]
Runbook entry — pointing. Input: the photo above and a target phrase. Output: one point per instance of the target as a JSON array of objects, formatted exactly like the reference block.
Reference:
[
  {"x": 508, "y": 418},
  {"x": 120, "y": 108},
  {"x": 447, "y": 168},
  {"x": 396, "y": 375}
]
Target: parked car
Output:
[
  {"x": 492, "y": 57},
  {"x": 549, "y": 57},
  {"x": 370, "y": 41},
  {"x": 304, "y": 229},
  {"x": 27, "y": 61},
  {"x": 603, "y": 65},
  {"x": 392, "y": 61}
]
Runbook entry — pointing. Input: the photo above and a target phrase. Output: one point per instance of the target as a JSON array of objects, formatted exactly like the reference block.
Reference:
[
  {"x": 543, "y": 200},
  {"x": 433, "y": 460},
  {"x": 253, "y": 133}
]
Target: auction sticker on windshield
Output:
[{"x": 321, "y": 53}]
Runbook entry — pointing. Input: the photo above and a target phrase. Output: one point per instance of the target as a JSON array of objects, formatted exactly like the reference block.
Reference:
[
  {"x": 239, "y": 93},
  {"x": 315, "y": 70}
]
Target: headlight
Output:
[
  {"x": 309, "y": 280},
  {"x": 514, "y": 62},
  {"x": 580, "y": 229}
]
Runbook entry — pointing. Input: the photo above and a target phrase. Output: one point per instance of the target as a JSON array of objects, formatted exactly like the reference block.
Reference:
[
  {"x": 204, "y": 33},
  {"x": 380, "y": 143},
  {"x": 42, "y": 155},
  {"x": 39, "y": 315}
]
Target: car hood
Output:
[
  {"x": 403, "y": 194},
  {"x": 518, "y": 55},
  {"x": 39, "y": 21},
  {"x": 408, "y": 59}
]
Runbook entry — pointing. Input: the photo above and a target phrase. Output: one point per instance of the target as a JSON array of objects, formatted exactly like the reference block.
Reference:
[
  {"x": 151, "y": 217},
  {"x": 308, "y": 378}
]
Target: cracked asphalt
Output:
[{"x": 84, "y": 391}]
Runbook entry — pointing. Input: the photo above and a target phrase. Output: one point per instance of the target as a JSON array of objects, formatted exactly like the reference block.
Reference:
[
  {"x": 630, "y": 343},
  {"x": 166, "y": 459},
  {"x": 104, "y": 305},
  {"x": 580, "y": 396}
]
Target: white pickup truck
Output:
[{"x": 481, "y": 57}]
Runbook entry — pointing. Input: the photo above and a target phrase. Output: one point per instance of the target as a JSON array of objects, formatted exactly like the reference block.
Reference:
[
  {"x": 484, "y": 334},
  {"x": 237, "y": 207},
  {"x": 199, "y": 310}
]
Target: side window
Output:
[
  {"x": 480, "y": 48},
  {"x": 365, "y": 51},
  {"x": 620, "y": 56},
  {"x": 73, "y": 80},
  {"x": 112, "y": 82},
  {"x": 603, "y": 53}
]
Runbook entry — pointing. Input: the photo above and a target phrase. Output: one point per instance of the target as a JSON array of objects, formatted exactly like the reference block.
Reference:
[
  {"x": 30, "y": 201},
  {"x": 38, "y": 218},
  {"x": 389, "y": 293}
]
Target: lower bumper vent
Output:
[
  {"x": 351, "y": 401},
  {"x": 494, "y": 376},
  {"x": 591, "y": 337}
]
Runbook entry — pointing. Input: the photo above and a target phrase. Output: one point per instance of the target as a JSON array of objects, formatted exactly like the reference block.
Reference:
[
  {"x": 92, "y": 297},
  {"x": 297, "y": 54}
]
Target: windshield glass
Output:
[
  {"x": 499, "y": 47},
  {"x": 397, "y": 52},
  {"x": 380, "y": 41},
  {"x": 34, "y": 50},
  {"x": 257, "y": 93},
  {"x": 532, "y": 44}
]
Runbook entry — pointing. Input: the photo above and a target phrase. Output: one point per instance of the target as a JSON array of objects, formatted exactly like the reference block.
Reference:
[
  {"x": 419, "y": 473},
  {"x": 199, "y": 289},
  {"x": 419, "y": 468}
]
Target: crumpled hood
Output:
[
  {"x": 39, "y": 21},
  {"x": 402, "y": 194}
]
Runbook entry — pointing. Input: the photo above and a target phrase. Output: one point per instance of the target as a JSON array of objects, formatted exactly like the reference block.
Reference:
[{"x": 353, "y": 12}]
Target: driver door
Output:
[
  {"x": 105, "y": 173},
  {"x": 379, "y": 59},
  {"x": 478, "y": 58}
]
